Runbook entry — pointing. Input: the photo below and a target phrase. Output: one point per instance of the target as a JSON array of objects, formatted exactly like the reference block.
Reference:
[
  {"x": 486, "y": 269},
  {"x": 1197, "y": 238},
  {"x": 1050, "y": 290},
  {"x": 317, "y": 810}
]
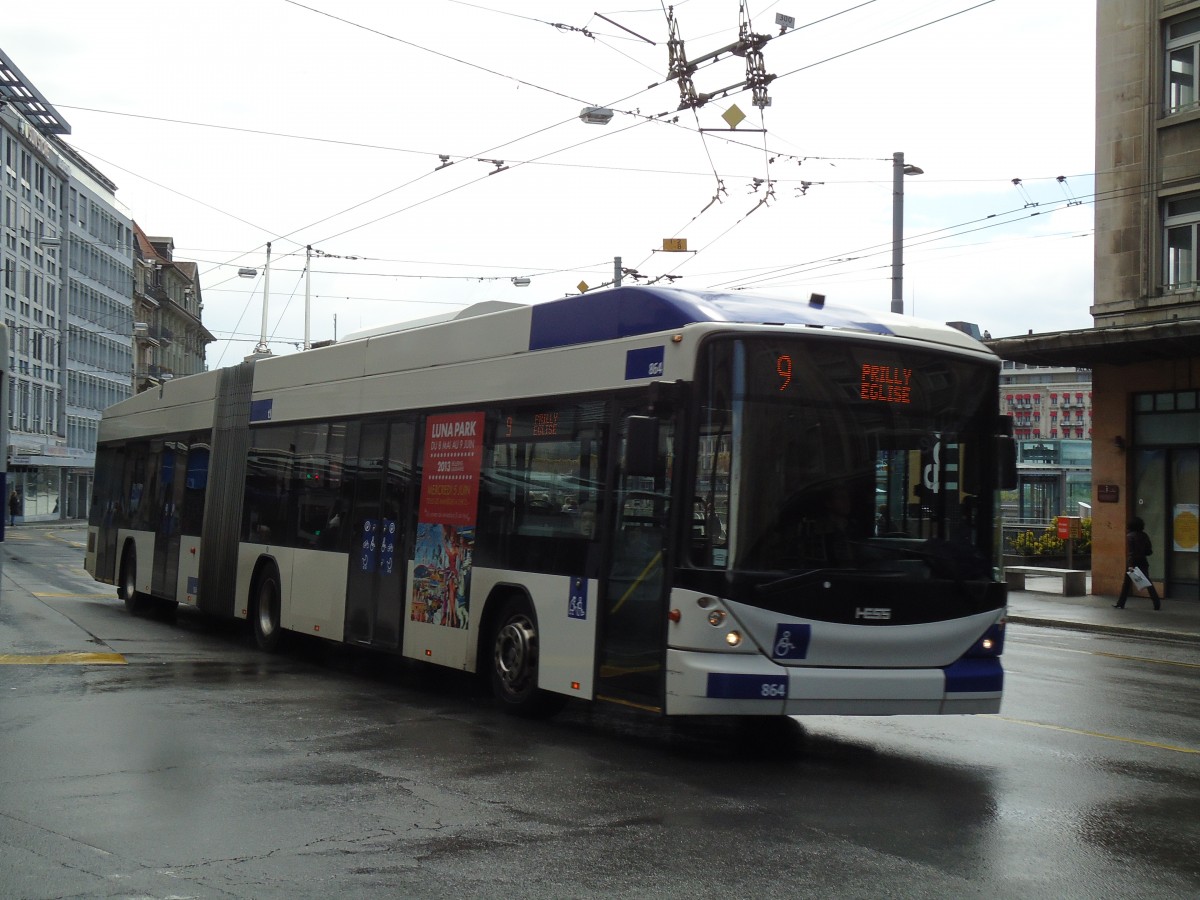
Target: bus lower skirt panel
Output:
[{"x": 749, "y": 684}]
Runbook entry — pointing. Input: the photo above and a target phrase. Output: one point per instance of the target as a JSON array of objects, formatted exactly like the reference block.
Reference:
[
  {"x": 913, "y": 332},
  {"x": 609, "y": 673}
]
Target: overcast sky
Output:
[{"x": 433, "y": 151}]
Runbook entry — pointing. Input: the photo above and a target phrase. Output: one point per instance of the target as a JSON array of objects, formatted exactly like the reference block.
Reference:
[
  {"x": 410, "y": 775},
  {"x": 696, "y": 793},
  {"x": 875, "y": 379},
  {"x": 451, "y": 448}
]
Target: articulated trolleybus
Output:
[{"x": 686, "y": 502}]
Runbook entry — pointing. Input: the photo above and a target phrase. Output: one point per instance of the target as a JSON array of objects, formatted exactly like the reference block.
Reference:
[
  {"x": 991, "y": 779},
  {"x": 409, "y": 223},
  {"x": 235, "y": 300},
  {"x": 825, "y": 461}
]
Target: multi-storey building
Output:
[
  {"x": 98, "y": 260},
  {"x": 33, "y": 215},
  {"x": 1051, "y": 409},
  {"x": 169, "y": 338},
  {"x": 67, "y": 259},
  {"x": 1144, "y": 351},
  {"x": 1047, "y": 401}
]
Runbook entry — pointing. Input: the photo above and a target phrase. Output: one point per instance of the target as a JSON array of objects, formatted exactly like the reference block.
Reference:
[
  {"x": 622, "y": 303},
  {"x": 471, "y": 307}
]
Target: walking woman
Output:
[{"x": 1137, "y": 550}]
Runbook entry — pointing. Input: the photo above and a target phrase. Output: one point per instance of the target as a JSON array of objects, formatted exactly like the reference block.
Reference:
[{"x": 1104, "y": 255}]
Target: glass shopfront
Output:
[{"x": 1166, "y": 485}]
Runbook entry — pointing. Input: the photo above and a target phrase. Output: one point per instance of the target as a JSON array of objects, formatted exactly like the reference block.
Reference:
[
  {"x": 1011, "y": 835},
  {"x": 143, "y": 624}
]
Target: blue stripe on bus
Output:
[
  {"x": 724, "y": 686},
  {"x": 626, "y": 312},
  {"x": 260, "y": 410},
  {"x": 974, "y": 676}
]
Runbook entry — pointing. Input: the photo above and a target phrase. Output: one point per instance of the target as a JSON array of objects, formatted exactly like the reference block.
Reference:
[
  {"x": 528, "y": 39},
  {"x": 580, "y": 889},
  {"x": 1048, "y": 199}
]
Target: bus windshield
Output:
[{"x": 819, "y": 453}]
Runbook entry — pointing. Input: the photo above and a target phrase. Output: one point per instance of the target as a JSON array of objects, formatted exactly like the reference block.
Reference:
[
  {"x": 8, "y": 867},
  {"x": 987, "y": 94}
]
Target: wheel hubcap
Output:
[{"x": 515, "y": 648}]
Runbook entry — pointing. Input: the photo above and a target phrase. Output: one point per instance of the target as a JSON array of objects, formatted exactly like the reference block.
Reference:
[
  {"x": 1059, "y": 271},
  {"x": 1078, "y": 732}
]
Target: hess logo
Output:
[{"x": 872, "y": 612}]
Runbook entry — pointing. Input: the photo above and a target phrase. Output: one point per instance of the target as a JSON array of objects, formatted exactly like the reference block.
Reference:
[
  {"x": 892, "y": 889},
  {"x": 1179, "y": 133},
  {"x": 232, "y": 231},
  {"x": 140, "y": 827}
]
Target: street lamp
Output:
[
  {"x": 899, "y": 170},
  {"x": 595, "y": 115}
]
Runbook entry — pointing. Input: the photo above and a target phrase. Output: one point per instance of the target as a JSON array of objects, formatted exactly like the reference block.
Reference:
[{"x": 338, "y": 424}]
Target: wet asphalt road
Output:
[{"x": 201, "y": 768}]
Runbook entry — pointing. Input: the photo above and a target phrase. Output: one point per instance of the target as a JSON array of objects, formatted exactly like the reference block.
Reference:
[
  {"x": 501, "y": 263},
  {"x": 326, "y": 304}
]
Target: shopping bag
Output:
[{"x": 1140, "y": 581}]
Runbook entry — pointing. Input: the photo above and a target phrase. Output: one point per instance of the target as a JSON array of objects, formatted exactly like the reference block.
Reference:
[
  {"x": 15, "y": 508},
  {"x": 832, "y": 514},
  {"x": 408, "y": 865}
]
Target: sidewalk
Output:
[{"x": 1043, "y": 605}]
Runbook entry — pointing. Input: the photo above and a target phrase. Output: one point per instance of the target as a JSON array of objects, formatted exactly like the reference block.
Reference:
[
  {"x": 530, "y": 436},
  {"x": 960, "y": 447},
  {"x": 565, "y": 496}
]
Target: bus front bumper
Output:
[{"x": 701, "y": 683}]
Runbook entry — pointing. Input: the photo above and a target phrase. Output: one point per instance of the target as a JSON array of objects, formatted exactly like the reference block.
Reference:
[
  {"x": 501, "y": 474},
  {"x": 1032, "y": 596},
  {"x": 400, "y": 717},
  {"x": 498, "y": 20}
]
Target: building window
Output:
[
  {"x": 1182, "y": 221},
  {"x": 1183, "y": 48}
]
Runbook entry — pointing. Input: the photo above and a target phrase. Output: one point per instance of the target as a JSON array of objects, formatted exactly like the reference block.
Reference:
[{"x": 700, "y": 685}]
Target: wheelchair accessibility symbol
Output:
[{"x": 791, "y": 640}]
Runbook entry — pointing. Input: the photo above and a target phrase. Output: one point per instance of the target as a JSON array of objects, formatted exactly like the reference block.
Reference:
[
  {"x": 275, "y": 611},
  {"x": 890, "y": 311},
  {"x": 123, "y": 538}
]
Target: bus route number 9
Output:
[{"x": 783, "y": 365}]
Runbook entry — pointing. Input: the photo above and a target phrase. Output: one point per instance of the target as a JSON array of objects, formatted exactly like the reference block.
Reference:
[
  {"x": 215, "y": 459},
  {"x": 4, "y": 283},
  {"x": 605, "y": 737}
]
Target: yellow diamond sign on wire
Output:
[
  {"x": 583, "y": 286},
  {"x": 733, "y": 116}
]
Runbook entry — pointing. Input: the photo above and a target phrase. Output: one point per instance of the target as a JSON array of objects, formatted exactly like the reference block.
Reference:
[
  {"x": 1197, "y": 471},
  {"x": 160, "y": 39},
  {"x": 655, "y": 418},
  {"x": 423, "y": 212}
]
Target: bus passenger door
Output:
[
  {"x": 170, "y": 504},
  {"x": 382, "y": 481},
  {"x": 631, "y": 652}
]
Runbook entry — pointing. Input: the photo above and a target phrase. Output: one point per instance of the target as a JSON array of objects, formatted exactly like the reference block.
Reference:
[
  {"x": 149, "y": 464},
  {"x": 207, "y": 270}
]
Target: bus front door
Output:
[
  {"x": 381, "y": 476},
  {"x": 631, "y": 652}
]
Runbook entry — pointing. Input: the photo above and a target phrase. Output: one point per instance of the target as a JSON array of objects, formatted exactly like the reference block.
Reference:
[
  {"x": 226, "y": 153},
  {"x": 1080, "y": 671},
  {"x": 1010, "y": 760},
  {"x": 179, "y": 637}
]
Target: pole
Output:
[
  {"x": 262, "y": 335},
  {"x": 616, "y": 271},
  {"x": 307, "y": 294},
  {"x": 898, "y": 233}
]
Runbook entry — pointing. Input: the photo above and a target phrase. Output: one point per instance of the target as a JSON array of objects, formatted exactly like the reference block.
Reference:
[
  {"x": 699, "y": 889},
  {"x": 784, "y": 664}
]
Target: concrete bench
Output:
[{"x": 1074, "y": 581}]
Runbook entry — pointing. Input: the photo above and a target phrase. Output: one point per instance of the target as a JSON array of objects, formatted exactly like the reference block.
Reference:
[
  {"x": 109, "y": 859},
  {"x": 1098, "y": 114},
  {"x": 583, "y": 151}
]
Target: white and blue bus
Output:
[{"x": 691, "y": 503}]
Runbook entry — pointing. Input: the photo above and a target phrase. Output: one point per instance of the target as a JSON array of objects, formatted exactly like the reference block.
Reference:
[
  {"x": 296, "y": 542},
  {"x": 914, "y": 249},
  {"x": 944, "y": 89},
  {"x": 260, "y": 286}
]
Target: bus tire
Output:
[
  {"x": 136, "y": 602},
  {"x": 514, "y": 663},
  {"x": 264, "y": 609}
]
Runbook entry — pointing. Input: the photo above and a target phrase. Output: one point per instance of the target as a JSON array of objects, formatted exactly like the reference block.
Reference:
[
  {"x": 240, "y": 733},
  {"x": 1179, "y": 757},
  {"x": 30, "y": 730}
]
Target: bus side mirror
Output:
[
  {"x": 1006, "y": 454},
  {"x": 641, "y": 446},
  {"x": 1006, "y": 462}
]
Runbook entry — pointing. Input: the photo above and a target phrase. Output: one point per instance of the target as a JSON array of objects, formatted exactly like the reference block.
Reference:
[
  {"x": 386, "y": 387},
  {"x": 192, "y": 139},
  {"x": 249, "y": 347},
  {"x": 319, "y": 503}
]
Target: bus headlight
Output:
[
  {"x": 991, "y": 644},
  {"x": 716, "y": 617},
  {"x": 734, "y": 638}
]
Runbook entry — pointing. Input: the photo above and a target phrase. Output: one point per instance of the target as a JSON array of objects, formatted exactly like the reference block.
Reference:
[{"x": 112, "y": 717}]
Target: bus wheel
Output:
[
  {"x": 264, "y": 613},
  {"x": 515, "y": 664},
  {"x": 135, "y": 601}
]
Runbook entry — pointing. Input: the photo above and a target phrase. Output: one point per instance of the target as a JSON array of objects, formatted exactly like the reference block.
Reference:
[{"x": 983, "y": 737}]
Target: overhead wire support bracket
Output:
[
  {"x": 748, "y": 45},
  {"x": 757, "y": 78},
  {"x": 678, "y": 66},
  {"x": 623, "y": 28}
]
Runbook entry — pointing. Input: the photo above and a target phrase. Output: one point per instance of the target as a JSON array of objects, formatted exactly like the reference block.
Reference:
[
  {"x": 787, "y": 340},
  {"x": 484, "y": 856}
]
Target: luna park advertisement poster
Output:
[{"x": 446, "y": 519}]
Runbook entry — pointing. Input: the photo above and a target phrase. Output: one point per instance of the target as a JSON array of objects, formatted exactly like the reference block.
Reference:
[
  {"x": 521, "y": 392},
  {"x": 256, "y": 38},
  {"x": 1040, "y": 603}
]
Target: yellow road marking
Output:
[
  {"x": 62, "y": 659},
  {"x": 1096, "y": 734}
]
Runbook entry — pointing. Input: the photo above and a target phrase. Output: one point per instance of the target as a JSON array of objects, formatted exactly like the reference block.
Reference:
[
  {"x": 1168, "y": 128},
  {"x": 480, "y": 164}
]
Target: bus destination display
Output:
[{"x": 886, "y": 384}]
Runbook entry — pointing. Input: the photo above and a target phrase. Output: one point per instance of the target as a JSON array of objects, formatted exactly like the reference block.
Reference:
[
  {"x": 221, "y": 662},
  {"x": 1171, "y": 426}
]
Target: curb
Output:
[{"x": 1122, "y": 630}]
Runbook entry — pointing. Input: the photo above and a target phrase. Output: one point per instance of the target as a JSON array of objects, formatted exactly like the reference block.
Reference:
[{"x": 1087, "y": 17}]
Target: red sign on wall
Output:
[
  {"x": 1070, "y": 527},
  {"x": 450, "y": 476}
]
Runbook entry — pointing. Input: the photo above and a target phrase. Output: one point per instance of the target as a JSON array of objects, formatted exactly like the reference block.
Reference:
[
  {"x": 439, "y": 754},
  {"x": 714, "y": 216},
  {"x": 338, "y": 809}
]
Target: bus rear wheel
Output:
[
  {"x": 264, "y": 612},
  {"x": 514, "y": 667},
  {"x": 136, "y": 602}
]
